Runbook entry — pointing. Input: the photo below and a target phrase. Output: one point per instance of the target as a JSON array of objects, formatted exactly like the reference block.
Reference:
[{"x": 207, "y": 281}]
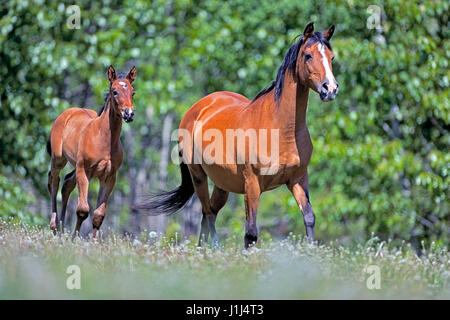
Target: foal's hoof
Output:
[
  {"x": 53, "y": 223},
  {"x": 54, "y": 230}
]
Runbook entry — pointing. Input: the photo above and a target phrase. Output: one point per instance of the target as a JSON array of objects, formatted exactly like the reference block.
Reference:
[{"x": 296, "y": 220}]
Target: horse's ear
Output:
[
  {"x": 132, "y": 74},
  {"x": 111, "y": 74},
  {"x": 309, "y": 30},
  {"x": 329, "y": 33}
]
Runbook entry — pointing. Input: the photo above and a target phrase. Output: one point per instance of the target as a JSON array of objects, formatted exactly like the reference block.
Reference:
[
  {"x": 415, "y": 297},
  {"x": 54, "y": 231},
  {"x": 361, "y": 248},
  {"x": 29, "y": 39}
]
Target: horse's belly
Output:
[{"x": 226, "y": 177}]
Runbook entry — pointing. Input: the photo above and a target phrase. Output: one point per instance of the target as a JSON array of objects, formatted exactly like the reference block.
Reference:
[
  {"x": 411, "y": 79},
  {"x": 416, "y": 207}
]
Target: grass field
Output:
[{"x": 34, "y": 263}]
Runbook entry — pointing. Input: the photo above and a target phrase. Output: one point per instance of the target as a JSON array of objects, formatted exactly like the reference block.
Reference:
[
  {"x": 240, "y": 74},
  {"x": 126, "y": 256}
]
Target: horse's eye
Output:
[
  {"x": 308, "y": 56},
  {"x": 133, "y": 93},
  {"x": 115, "y": 93}
]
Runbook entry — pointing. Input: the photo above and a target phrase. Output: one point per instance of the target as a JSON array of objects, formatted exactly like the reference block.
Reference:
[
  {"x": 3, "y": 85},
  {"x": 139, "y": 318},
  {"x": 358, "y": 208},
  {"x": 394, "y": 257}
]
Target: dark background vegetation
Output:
[{"x": 380, "y": 163}]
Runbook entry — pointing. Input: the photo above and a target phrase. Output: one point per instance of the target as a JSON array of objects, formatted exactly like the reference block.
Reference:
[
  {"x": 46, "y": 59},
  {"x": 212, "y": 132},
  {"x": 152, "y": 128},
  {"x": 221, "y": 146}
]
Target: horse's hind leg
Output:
[
  {"x": 251, "y": 199},
  {"x": 200, "y": 181},
  {"x": 204, "y": 230},
  {"x": 219, "y": 198},
  {"x": 53, "y": 185},
  {"x": 67, "y": 188}
]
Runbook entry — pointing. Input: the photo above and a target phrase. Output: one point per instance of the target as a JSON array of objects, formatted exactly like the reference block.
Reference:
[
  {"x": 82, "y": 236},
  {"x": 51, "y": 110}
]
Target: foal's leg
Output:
[
  {"x": 251, "y": 199},
  {"x": 53, "y": 185},
  {"x": 83, "y": 205},
  {"x": 300, "y": 191},
  {"x": 67, "y": 188},
  {"x": 106, "y": 188}
]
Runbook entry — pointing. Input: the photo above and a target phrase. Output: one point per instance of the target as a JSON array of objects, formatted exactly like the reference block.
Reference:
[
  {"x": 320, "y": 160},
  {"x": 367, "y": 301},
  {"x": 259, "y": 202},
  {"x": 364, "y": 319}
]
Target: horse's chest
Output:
[
  {"x": 295, "y": 164},
  {"x": 103, "y": 168},
  {"x": 297, "y": 155}
]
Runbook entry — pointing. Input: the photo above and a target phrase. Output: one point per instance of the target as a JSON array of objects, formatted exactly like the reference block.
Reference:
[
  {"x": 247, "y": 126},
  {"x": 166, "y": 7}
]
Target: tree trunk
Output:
[
  {"x": 159, "y": 223},
  {"x": 132, "y": 175}
]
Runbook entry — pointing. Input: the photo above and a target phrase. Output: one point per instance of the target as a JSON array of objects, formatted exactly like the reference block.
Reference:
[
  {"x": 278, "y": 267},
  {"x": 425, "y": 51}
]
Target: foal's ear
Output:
[
  {"x": 132, "y": 74},
  {"x": 111, "y": 74},
  {"x": 309, "y": 30},
  {"x": 329, "y": 33}
]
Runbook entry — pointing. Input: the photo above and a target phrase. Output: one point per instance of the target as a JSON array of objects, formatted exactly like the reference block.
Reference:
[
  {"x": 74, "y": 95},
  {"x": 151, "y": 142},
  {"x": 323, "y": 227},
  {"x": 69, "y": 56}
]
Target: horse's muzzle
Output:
[
  {"x": 327, "y": 95},
  {"x": 128, "y": 115}
]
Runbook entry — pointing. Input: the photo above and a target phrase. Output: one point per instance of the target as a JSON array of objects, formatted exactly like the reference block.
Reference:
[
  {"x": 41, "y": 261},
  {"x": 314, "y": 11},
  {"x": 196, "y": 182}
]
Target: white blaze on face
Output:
[
  {"x": 329, "y": 74},
  {"x": 123, "y": 84}
]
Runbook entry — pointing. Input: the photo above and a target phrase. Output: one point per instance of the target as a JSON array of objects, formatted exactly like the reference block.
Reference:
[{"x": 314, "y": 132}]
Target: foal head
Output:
[
  {"x": 314, "y": 62},
  {"x": 122, "y": 92}
]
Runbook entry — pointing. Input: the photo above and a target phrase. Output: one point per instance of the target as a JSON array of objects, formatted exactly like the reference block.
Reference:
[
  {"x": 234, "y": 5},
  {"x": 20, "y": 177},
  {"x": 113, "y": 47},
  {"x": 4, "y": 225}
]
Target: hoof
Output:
[
  {"x": 53, "y": 223},
  {"x": 215, "y": 245},
  {"x": 250, "y": 240}
]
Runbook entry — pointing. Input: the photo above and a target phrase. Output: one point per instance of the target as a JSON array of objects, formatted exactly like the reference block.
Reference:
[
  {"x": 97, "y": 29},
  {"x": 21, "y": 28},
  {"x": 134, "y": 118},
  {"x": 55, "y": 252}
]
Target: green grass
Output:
[{"x": 33, "y": 265}]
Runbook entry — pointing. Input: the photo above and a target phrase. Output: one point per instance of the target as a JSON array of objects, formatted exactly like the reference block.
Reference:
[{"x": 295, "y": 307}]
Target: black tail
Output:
[
  {"x": 49, "y": 147},
  {"x": 169, "y": 202}
]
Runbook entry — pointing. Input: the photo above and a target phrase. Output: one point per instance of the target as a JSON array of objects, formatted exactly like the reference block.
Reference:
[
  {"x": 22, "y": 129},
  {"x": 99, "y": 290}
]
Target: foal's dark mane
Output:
[
  {"x": 289, "y": 62},
  {"x": 120, "y": 75}
]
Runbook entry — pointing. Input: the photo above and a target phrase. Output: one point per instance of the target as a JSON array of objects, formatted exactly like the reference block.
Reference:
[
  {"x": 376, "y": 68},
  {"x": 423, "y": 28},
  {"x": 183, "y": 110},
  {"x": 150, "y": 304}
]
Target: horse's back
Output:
[
  {"x": 66, "y": 131},
  {"x": 212, "y": 104}
]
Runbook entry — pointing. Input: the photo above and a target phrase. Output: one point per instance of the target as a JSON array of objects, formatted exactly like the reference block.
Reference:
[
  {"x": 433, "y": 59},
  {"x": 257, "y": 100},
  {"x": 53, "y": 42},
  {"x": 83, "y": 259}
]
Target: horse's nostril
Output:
[{"x": 325, "y": 86}]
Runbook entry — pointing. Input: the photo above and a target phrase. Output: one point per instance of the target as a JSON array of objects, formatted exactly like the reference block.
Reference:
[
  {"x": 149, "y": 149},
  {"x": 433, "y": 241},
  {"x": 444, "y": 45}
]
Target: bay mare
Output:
[{"x": 282, "y": 106}]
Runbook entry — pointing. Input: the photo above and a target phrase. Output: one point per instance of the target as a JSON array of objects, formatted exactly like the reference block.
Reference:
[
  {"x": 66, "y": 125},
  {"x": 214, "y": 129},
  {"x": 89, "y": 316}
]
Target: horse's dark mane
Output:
[
  {"x": 120, "y": 75},
  {"x": 289, "y": 62}
]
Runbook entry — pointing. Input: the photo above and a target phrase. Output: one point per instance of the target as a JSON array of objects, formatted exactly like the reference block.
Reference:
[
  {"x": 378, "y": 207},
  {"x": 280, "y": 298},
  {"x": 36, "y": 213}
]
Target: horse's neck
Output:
[
  {"x": 111, "y": 123},
  {"x": 291, "y": 109}
]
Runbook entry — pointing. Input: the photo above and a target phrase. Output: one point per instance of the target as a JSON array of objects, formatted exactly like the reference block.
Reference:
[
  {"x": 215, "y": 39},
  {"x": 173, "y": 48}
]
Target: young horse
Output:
[
  {"x": 280, "y": 106},
  {"x": 90, "y": 142}
]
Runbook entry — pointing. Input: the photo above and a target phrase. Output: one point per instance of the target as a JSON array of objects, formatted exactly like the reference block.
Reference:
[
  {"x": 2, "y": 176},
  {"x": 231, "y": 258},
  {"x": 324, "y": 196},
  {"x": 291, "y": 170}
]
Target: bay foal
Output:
[
  {"x": 280, "y": 106},
  {"x": 91, "y": 143}
]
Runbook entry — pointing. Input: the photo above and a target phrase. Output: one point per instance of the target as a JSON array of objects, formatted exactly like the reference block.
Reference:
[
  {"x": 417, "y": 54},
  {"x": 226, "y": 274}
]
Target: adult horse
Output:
[
  {"x": 90, "y": 142},
  {"x": 280, "y": 107}
]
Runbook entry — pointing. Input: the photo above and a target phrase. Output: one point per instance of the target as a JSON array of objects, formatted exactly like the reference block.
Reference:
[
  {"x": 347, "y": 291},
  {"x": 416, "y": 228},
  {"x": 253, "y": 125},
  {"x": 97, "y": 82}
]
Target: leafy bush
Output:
[{"x": 381, "y": 161}]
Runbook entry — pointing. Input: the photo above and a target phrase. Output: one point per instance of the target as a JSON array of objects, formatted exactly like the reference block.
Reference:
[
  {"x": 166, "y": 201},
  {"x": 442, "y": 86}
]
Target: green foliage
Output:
[{"x": 380, "y": 161}]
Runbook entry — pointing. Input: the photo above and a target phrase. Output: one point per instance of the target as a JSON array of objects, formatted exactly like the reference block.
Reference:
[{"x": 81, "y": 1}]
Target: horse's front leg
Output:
[
  {"x": 299, "y": 189},
  {"x": 251, "y": 199},
  {"x": 106, "y": 188},
  {"x": 83, "y": 205}
]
